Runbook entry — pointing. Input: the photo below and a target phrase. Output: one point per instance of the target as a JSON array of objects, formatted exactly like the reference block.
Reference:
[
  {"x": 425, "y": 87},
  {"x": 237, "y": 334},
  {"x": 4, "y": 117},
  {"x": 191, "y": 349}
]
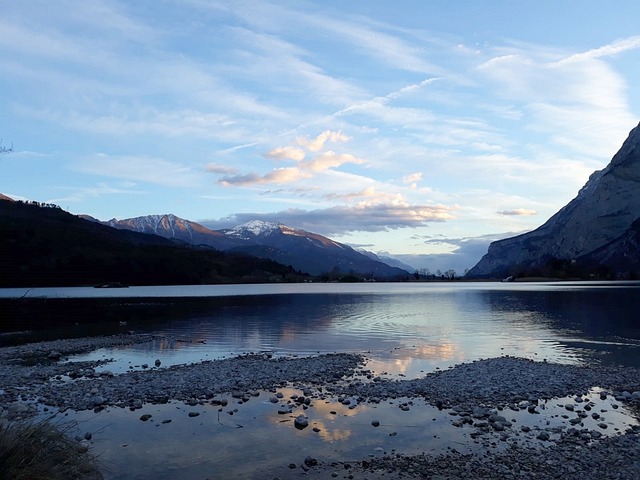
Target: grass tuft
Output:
[{"x": 41, "y": 450}]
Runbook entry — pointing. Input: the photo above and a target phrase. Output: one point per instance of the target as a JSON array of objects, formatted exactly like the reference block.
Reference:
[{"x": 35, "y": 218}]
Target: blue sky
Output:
[{"x": 422, "y": 129}]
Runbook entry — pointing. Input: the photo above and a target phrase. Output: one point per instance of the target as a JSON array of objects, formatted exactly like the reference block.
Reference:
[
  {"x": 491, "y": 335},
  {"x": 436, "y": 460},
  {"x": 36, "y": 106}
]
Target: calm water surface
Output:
[{"x": 404, "y": 330}]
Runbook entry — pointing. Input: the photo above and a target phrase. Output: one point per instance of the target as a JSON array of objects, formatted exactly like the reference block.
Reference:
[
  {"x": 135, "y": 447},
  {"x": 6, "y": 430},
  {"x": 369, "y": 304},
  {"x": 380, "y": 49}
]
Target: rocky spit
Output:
[{"x": 478, "y": 396}]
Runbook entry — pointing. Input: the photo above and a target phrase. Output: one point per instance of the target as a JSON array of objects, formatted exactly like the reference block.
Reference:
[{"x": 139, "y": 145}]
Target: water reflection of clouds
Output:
[
  {"x": 320, "y": 417},
  {"x": 330, "y": 435},
  {"x": 414, "y": 360},
  {"x": 404, "y": 333}
]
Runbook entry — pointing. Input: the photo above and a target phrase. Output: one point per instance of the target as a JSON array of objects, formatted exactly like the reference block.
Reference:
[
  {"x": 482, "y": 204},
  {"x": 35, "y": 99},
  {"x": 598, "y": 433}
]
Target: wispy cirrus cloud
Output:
[
  {"x": 350, "y": 196},
  {"x": 99, "y": 190},
  {"x": 613, "y": 48},
  {"x": 374, "y": 40},
  {"x": 141, "y": 169},
  {"x": 561, "y": 94}
]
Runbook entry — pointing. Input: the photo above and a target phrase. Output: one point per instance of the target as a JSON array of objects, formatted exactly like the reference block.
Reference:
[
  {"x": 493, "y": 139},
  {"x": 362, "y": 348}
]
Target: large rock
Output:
[{"x": 595, "y": 229}]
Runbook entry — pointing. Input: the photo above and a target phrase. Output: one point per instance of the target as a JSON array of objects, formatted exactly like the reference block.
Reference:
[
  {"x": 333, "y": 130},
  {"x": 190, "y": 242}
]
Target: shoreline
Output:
[{"x": 478, "y": 396}]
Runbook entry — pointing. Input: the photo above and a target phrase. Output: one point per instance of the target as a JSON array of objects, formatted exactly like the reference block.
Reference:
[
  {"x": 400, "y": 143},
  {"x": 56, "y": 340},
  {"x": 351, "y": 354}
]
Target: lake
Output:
[{"x": 404, "y": 329}]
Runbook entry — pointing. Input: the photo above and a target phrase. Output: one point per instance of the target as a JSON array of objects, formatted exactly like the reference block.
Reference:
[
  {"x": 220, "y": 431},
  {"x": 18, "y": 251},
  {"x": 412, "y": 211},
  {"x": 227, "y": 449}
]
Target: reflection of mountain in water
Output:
[{"x": 604, "y": 320}]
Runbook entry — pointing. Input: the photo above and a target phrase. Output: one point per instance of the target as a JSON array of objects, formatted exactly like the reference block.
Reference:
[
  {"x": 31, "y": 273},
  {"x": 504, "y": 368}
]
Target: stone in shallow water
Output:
[
  {"x": 543, "y": 436},
  {"x": 83, "y": 446},
  {"x": 301, "y": 422}
]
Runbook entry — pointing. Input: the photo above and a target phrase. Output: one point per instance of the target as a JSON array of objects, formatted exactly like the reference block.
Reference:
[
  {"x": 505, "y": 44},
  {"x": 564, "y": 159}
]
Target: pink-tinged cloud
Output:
[
  {"x": 220, "y": 169},
  {"x": 277, "y": 176},
  {"x": 286, "y": 153},
  {"x": 317, "y": 143},
  {"x": 412, "y": 178},
  {"x": 305, "y": 170},
  {"x": 327, "y": 160},
  {"x": 518, "y": 212}
]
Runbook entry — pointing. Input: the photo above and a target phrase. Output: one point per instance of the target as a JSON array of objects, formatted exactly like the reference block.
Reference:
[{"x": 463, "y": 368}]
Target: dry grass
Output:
[{"x": 39, "y": 450}]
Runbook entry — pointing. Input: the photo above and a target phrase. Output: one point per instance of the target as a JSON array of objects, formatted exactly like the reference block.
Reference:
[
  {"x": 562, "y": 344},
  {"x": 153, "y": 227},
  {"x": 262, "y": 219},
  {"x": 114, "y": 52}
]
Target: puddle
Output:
[{"x": 250, "y": 439}]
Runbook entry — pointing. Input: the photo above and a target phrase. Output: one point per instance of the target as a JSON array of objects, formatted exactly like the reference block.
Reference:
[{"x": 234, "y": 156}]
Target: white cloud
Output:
[
  {"x": 327, "y": 160},
  {"x": 318, "y": 143},
  {"x": 305, "y": 169},
  {"x": 286, "y": 153},
  {"x": 412, "y": 178}
]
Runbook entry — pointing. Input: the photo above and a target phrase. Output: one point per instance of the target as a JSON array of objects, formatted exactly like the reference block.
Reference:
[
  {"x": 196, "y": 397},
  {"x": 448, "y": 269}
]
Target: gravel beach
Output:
[{"x": 478, "y": 396}]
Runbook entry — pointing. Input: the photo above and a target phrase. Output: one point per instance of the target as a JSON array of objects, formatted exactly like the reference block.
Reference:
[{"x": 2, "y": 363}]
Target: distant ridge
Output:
[
  {"x": 596, "y": 234},
  {"x": 303, "y": 250},
  {"x": 171, "y": 226}
]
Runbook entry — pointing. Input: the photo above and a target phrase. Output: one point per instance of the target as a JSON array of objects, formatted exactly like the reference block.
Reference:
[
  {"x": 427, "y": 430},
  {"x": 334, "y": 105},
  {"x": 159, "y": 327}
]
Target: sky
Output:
[{"x": 416, "y": 129}]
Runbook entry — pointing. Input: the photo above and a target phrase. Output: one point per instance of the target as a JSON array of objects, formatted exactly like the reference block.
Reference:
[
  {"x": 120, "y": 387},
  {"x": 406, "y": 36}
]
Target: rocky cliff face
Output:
[{"x": 603, "y": 212}]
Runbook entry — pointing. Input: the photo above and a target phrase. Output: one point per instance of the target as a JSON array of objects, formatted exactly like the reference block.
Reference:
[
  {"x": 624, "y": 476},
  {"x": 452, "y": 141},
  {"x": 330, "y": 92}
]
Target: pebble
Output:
[{"x": 301, "y": 422}]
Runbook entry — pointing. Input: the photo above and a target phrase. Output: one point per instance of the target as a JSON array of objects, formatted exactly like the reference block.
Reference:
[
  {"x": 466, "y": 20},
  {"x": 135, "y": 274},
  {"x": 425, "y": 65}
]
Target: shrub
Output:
[{"x": 39, "y": 450}]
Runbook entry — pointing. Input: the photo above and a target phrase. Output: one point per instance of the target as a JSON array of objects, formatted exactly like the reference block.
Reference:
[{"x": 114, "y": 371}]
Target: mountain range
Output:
[
  {"x": 304, "y": 251},
  {"x": 42, "y": 245},
  {"x": 597, "y": 234}
]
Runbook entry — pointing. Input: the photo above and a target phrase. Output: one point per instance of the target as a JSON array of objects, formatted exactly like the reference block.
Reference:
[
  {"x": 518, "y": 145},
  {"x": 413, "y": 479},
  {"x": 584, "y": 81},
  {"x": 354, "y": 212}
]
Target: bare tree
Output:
[{"x": 4, "y": 149}]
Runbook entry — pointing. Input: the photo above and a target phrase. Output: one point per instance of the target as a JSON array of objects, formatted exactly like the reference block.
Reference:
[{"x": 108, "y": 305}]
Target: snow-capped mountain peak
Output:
[{"x": 255, "y": 227}]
